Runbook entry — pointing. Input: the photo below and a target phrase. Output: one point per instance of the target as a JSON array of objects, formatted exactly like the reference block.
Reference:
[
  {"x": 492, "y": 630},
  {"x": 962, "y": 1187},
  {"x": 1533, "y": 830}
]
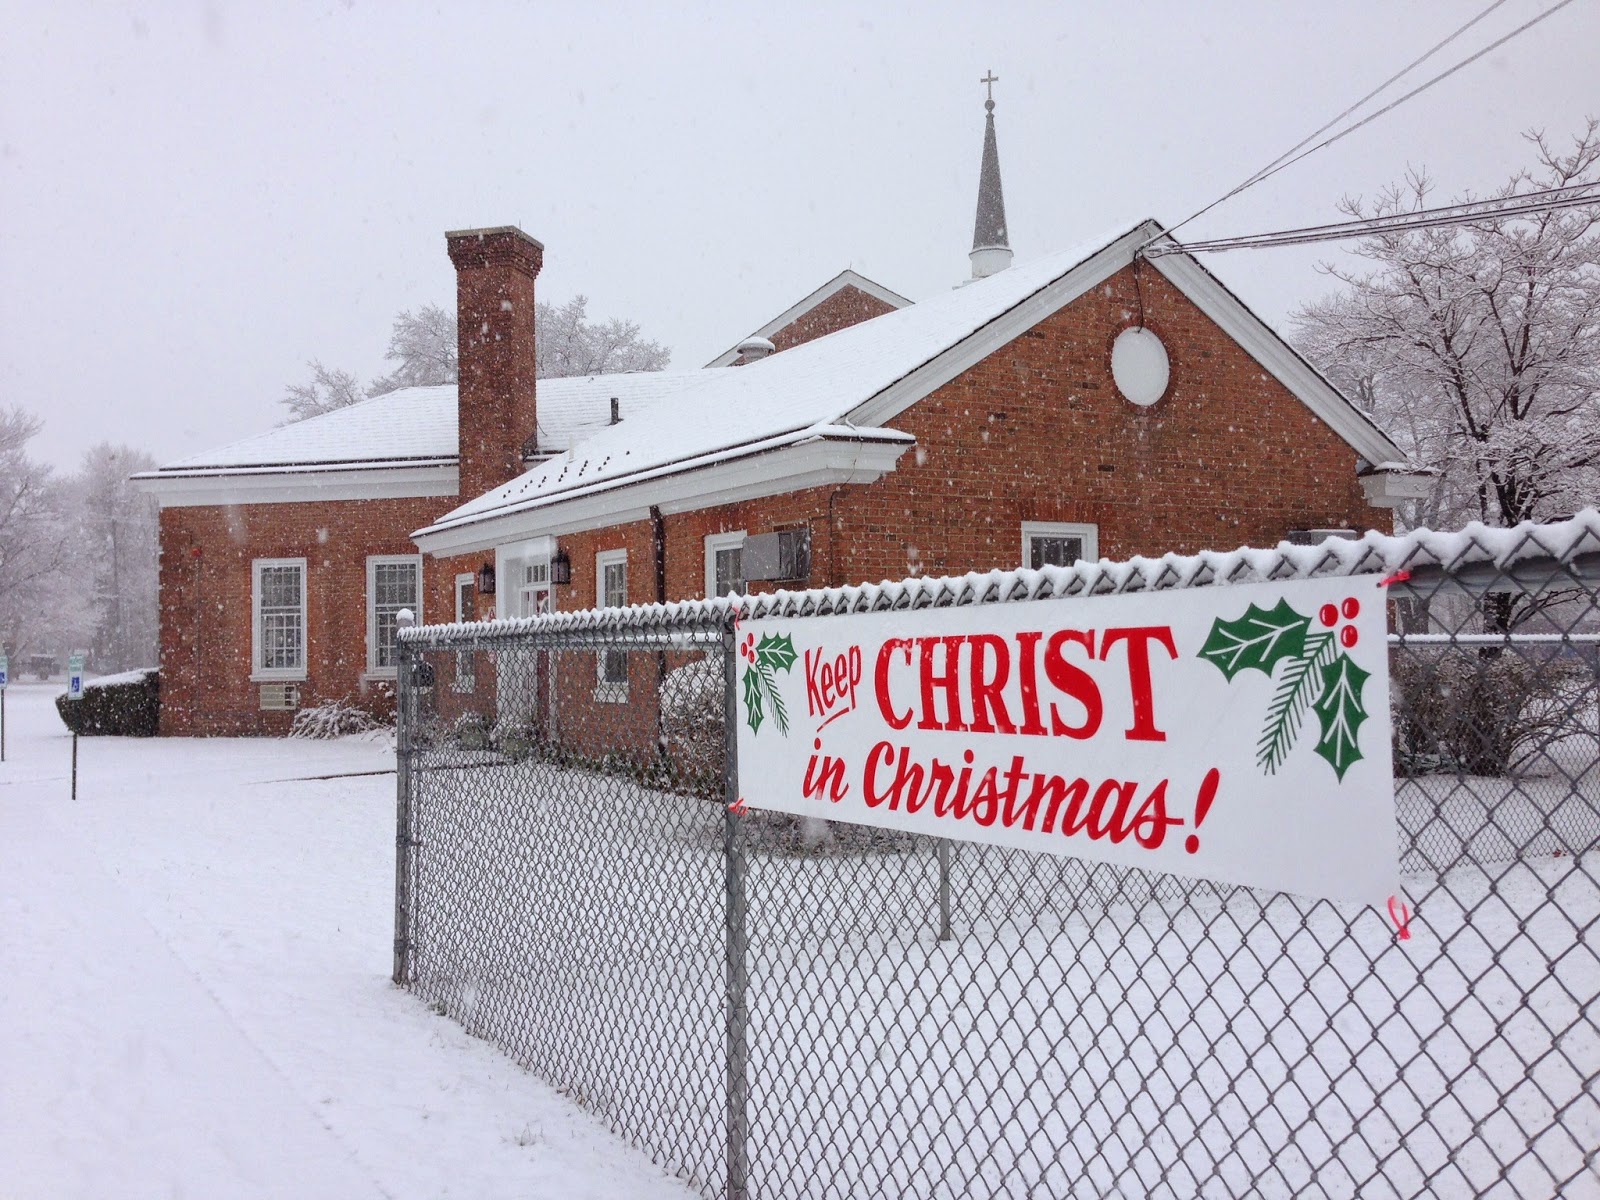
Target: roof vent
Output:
[
  {"x": 755, "y": 349},
  {"x": 616, "y": 411}
]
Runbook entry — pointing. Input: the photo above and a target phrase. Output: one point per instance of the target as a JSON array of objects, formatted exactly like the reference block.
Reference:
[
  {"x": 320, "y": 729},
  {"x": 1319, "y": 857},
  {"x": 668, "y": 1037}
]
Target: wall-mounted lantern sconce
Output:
[
  {"x": 486, "y": 579},
  {"x": 560, "y": 568}
]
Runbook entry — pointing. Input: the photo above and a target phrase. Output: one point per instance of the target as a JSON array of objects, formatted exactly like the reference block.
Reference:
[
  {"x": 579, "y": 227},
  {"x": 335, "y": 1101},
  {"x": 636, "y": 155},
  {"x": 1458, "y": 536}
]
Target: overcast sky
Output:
[{"x": 198, "y": 198}]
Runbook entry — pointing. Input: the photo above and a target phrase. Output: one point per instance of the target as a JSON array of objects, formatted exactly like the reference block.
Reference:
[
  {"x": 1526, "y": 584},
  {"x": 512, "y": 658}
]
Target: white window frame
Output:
[
  {"x": 1090, "y": 534},
  {"x": 610, "y": 691},
  {"x": 259, "y": 673},
  {"x": 466, "y": 676},
  {"x": 374, "y": 561},
  {"x": 721, "y": 541}
]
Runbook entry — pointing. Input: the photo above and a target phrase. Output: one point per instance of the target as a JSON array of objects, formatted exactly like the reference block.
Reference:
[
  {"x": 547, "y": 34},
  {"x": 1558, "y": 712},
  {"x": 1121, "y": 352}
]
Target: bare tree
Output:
[
  {"x": 116, "y": 544},
  {"x": 32, "y": 550},
  {"x": 568, "y": 344},
  {"x": 1478, "y": 347},
  {"x": 327, "y": 390},
  {"x": 423, "y": 344}
]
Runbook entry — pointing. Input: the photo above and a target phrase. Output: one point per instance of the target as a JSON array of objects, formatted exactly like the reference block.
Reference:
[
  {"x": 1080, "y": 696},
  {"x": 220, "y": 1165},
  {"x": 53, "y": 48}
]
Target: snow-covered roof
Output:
[
  {"x": 418, "y": 425},
  {"x": 865, "y": 374}
]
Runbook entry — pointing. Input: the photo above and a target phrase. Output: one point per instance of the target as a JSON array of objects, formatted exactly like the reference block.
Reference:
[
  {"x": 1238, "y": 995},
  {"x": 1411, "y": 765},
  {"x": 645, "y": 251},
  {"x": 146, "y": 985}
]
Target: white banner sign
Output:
[{"x": 1239, "y": 734}]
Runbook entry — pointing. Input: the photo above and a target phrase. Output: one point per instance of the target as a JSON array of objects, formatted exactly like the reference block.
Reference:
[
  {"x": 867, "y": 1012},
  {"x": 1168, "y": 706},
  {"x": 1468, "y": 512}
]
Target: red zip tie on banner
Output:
[
  {"x": 1401, "y": 916},
  {"x": 1399, "y": 576}
]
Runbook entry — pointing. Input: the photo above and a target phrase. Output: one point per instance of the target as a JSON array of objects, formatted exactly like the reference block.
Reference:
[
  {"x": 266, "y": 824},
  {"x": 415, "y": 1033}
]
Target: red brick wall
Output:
[
  {"x": 206, "y": 580},
  {"x": 1038, "y": 432}
]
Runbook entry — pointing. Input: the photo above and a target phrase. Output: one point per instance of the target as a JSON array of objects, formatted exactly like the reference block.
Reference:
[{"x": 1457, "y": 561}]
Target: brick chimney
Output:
[{"x": 495, "y": 270}]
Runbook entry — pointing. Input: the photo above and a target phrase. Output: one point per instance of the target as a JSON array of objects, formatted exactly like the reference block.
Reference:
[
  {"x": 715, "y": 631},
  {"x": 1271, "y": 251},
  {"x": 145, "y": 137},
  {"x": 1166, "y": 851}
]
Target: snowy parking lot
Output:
[{"x": 194, "y": 991}]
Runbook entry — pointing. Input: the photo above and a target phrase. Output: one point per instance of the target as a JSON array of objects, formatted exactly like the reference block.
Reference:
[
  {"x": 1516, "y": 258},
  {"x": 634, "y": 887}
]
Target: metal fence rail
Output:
[{"x": 773, "y": 1007}]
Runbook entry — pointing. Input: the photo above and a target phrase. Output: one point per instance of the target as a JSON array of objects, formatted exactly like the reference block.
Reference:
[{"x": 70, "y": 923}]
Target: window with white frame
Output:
[
  {"x": 1058, "y": 544},
  {"x": 278, "y": 618},
  {"x": 724, "y": 563},
  {"x": 393, "y": 583},
  {"x": 466, "y": 610},
  {"x": 611, "y": 591}
]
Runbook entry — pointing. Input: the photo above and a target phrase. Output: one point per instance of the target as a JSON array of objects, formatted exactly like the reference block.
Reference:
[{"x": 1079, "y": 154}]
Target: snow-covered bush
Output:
[
  {"x": 1476, "y": 713},
  {"x": 471, "y": 731},
  {"x": 125, "y": 705},
  {"x": 691, "y": 722},
  {"x": 333, "y": 719}
]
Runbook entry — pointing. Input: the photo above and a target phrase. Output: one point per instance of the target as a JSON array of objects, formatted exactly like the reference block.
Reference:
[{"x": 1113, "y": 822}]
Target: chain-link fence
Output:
[{"x": 773, "y": 1007}]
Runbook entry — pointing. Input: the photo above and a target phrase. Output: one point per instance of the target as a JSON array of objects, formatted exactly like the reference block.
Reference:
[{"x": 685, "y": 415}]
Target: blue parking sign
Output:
[
  {"x": 5, "y": 677},
  {"x": 75, "y": 677}
]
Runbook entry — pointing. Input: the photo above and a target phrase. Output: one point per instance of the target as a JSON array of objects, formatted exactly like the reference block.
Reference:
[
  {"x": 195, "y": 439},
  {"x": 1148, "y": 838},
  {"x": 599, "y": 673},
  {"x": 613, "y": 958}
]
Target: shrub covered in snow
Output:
[
  {"x": 125, "y": 705},
  {"x": 691, "y": 722},
  {"x": 333, "y": 719}
]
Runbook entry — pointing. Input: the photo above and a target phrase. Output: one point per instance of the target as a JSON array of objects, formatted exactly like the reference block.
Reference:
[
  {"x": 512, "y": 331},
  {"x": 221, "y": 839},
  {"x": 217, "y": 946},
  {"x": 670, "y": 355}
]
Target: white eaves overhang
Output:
[
  {"x": 819, "y": 457},
  {"x": 199, "y": 487}
]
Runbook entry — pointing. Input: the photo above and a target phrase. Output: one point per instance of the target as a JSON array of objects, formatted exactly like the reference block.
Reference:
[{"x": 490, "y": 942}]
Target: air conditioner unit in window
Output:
[
  {"x": 785, "y": 555},
  {"x": 280, "y": 697}
]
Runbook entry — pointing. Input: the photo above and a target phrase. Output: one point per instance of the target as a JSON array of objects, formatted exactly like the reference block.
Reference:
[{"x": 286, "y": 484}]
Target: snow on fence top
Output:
[{"x": 1375, "y": 553}]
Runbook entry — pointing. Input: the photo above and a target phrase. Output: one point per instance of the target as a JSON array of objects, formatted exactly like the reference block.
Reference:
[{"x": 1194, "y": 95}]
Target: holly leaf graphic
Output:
[
  {"x": 752, "y": 701},
  {"x": 1340, "y": 713},
  {"x": 1259, "y": 639},
  {"x": 776, "y": 651}
]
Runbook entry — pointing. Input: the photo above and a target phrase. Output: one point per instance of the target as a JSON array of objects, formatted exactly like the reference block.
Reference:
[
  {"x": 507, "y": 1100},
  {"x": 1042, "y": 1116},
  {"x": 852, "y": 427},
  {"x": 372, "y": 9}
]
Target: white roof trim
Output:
[
  {"x": 811, "y": 462},
  {"x": 844, "y": 279},
  {"x": 977, "y": 346},
  {"x": 278, "y": 485},
  {"x": 1280, "y": 359},
  {"x": 1257, "y": 338}
]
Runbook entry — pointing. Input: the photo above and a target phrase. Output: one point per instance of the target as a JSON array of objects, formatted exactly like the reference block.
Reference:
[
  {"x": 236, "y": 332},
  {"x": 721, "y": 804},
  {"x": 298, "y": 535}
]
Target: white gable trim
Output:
[
  {"x": 977, "y": 346},
  {"x": 305, "y": 485},
  {"x": 1235, "y": 319},
  {"x": 1281, "y": 360},
  {"x": 844, "y": 279},
  {"x": 815, "y": 462}
]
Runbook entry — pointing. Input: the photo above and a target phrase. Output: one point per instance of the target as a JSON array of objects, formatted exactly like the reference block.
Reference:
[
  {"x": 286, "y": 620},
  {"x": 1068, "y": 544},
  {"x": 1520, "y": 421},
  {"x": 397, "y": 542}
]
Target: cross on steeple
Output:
[{"x": 988, "y": 82}]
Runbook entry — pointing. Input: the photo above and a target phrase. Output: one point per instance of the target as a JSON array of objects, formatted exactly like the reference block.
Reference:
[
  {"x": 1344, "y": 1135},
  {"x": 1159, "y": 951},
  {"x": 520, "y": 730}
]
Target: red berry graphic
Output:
[
  {"x": 1329, "y": 615},
  {"x": 1351, "y": 607},
  {"x": 1347, "y": 636}
]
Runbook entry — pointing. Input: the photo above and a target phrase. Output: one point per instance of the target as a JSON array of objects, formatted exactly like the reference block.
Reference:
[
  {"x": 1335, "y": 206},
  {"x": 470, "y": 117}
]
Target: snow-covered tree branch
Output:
[
  {"x": 423, "y": 347},
  {"x": 1478, "y": 347}
]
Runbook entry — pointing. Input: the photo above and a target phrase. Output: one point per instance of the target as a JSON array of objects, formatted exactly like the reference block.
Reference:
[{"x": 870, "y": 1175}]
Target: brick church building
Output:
[{"x": 1091, "y": 403}]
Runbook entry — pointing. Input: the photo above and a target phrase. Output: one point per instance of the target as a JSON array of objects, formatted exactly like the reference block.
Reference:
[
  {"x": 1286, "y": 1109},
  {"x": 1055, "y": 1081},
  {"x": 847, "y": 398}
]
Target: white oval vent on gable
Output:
[{"x": 1139, "y": 366}]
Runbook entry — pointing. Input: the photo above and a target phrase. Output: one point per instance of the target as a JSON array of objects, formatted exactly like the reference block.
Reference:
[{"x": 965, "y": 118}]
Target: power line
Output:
[
  {"x": 1284, "y": 160},
  {"x": 1578, "y": 195},
  {"x": 1420, "y": 88}
]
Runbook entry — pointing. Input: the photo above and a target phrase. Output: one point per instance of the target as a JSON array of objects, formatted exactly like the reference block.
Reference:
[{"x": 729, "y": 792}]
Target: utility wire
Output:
[
  {"x": 1420, "y": 88},
  {"x": 1274, "y": 165},
  {"x": 1287, "y": 160},
  {"x": 1578, "y": 195}
]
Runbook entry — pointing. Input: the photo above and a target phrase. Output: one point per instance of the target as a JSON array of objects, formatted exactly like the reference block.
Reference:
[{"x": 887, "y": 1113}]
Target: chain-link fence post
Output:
[
  {"x": 944, "y": 890},
  {"x": 737, "y": 1048},
  {"x": 404, "y": 695}
]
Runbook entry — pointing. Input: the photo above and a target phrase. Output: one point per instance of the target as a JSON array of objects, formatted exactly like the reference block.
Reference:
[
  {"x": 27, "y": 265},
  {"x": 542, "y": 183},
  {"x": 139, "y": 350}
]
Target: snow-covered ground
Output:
[{"x": 194, "y": 993}]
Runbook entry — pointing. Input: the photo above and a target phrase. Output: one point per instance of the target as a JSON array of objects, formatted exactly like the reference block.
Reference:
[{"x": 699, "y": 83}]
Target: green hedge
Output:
[{"x": 131, "y": 709}]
